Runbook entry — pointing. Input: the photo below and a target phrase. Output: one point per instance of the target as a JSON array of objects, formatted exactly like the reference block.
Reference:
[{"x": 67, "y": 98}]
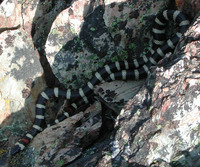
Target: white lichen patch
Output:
[
  {"x": 164, "y": 149},
  {"x": 11, "y": 97},
  {"x": 107, "y": 2},
  {"x": 11, "y": 89},
  {"x": 170, "y": 71},
  {"x": 7, "y": 8}
]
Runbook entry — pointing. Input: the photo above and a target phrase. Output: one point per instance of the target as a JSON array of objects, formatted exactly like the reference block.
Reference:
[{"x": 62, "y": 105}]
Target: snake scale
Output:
[{"x": 120, "y": 70}]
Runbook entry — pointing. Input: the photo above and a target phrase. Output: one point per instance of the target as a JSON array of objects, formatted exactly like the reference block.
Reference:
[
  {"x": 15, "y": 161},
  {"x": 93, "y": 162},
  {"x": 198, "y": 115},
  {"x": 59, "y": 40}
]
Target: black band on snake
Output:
[{"x": 124, "y": 70}]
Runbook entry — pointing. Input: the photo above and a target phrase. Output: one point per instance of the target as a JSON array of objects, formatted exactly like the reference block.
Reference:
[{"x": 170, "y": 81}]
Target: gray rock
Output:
[{"x": 159, "y": 126}]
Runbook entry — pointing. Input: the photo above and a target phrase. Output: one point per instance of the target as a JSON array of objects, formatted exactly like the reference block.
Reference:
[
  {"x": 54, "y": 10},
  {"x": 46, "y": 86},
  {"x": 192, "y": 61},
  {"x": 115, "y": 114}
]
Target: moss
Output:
[
  {"x": 60, "y": 163},
  {"x": 92, "y": 29},
  {"x": 72, "y": 30}
]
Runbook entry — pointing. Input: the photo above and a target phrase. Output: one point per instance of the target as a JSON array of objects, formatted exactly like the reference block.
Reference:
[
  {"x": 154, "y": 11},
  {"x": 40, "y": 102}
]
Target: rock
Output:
[
  {"x": 19, "y": 69},
  {"x": 20, "y": 76},
  {"x": 82, "y": 41},
  {"x": 10, "y": 12},
  {"x": 159, "y": 126},
  {"x": 64, "y": 142},
  {"x": 191, "y": 8},
  {"x": 118, "y": 91}
]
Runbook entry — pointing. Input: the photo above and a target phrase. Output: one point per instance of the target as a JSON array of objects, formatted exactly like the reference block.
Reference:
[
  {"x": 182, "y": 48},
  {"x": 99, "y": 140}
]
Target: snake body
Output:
[{"x": 120, "y": 70}]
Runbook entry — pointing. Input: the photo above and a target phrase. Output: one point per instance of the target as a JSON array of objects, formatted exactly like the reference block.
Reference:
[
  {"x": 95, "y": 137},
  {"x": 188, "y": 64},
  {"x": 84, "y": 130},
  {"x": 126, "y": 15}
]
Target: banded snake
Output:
[{"x": 123, "y": 70}]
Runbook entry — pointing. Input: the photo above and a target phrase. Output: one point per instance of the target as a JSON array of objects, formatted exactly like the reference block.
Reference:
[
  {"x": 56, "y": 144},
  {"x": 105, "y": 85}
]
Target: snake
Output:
[{"x": 136, "y": 69}]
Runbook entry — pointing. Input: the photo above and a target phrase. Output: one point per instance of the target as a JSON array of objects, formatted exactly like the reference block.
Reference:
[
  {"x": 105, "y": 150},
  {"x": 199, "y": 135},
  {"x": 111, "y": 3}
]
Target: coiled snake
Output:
[{"x": 124, "y": 70}]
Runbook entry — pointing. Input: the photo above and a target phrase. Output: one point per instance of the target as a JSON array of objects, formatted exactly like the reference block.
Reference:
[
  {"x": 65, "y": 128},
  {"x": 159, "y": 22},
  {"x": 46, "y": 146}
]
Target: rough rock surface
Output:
[
  {"x": 74, "y": 133},
  {"x": 157, "y": 127},
  {"x": 86, "y": 35},
  {"x": 160, "y": 125},
  {"x": 20, "y": 76}
]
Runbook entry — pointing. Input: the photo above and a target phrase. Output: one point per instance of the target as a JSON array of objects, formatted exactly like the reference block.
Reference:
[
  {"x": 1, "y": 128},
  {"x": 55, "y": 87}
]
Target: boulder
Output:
[{"x": 149, "y": 123}]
